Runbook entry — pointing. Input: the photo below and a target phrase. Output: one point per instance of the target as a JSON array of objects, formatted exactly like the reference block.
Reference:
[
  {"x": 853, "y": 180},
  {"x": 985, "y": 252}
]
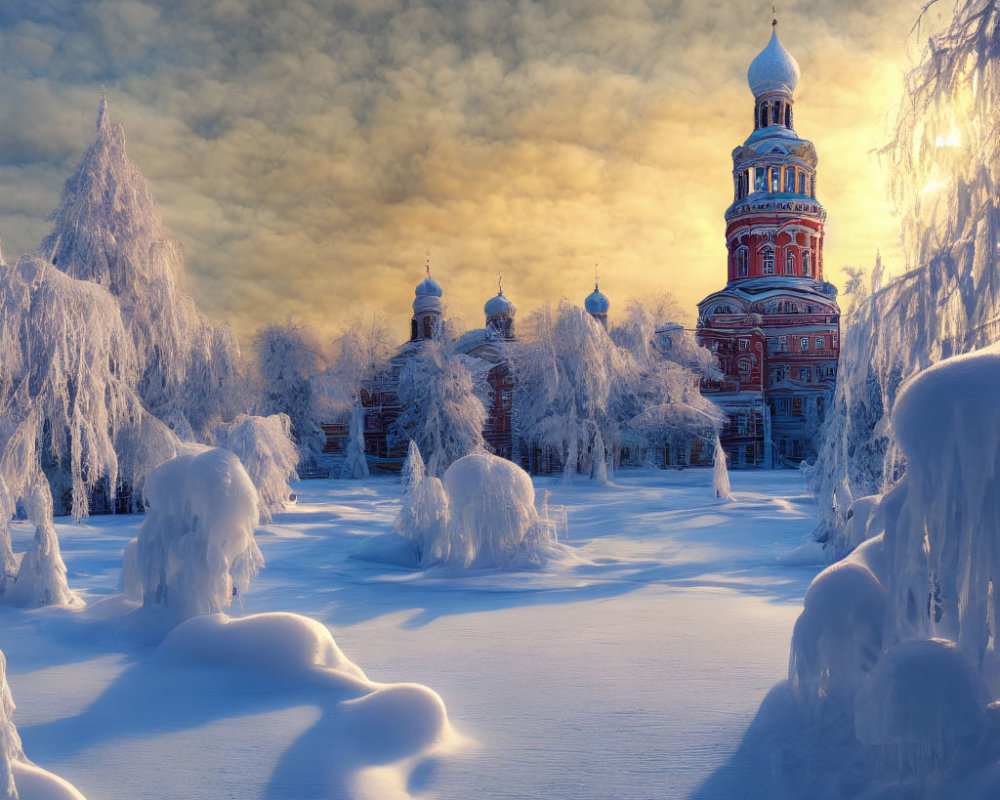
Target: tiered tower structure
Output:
[{"x": 775, "y": 326}]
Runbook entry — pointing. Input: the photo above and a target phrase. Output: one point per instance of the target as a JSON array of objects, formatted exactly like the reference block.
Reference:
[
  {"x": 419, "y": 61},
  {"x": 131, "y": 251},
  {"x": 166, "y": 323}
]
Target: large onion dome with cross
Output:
[{"x": 775, "y": 326}]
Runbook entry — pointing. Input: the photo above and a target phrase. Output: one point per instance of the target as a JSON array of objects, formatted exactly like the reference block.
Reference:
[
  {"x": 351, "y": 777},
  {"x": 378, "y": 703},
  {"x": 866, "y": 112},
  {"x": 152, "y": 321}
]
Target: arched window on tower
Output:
[
  {"x": 428, "y": 328},
  {"x": 790, "y": 263},
  {"x": 775, "y": 179},
  {"x": 413, "y": 328},
  {"x": 802, "y": 183},
  {"x": 789, "y": 179},
  {"x": 767, "y": 261},
  {"x": 806, "y": 266},
  {"x": 763, "y": 115},
  {"x": 756, "y": 117},
  {"x": 788, "y": 116},
  {"x": 760, "y": 179},
  {"x": 742, "y": 262},
  {"x": 776, "y": 114}
]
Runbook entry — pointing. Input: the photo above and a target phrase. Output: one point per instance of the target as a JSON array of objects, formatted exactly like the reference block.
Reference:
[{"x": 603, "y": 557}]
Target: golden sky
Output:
[{"x": 308, "y": 153}]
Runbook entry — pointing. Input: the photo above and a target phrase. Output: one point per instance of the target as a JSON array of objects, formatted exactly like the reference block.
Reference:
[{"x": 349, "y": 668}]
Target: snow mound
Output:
[
  {"x": 195, "y": 549},
  {"x": 278, "y": 643},
  {"x": 837, "y": 639},
  {"x": 378, "y": 723},
  {"x": 265, "y": 448},
  {"x": 924, "y": 698},
  {"x": 481, "y": 515}
]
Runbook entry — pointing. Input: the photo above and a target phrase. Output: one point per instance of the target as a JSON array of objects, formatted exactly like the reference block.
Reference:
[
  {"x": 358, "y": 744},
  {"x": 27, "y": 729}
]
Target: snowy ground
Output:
[{"x": 631, "y": 675}]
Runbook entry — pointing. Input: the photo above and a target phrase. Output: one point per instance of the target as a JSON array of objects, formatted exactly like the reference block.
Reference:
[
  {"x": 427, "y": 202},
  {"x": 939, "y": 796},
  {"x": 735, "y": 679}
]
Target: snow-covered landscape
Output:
[
  {"x": 631, "y": 668},
  {"x": 586, "y": 551}
]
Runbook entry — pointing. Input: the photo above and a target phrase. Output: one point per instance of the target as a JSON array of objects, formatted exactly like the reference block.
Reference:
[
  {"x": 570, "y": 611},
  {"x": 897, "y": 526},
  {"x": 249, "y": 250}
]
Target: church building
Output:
[{"x": 775, "y": 326}]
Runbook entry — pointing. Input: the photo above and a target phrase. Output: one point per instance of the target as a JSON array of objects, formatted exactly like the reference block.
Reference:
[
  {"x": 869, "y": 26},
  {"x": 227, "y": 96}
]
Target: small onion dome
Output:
[
  {"x": 596, "y": 302},
  {"x": 428, "y": 287},
  {"x": 774, "y": 70},
  {"x": 499, "y": 306}
]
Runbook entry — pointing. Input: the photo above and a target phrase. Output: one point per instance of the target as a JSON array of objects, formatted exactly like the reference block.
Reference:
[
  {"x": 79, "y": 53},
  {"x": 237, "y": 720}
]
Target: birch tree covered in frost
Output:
[
  {"x": 442, "y": 411},
  {"x": 108, "y": 230},
  {"x": 943, "y": 161}
]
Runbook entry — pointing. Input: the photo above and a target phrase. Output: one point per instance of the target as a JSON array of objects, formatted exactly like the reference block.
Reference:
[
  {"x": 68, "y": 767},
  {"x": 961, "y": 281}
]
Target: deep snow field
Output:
[{"x": 633, "y": 673}]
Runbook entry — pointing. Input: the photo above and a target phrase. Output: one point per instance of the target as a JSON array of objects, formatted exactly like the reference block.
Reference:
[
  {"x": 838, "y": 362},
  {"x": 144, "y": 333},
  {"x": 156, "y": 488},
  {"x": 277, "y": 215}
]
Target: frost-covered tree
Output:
[
  {"x": 108, "y": 230},
  {"x": 289, "y": 361},
  {"x": 41, "y": 578},
  {"x": 361, "y": 350},
  {"x": 357, "y": 463},
  {"x": 720, "y": 475},
  {"x": 69, "y": 376},
  {"x": 942, "y": 162},
  {"x": 265, "y": 448},
  {"x": 196, "y": 548},
  {"x": 565, "y": 377},
  {"x": 8, "y": 563},
  {"x": 413, "y": 469},
  {"x": 442, "y": 411}
]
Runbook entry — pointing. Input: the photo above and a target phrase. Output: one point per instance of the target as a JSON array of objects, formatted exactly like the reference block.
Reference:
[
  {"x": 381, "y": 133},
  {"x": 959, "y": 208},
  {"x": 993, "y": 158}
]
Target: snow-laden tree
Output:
[
  {"x": 360, "y": 351},
  {"x": 657, "y": 398},
  {"x": 196, "y": 548},
  {"x": 413, "y": 469},
  {"x": 720, "y": 474},
  {"x": 357, "y": 463},
  {"x": 8, "y": 563},
  {"x": 289, "y": 361},
  {"x": 69, "y": 375},
  {"x": 41, "y": 578},
  {"x": 108, "y": 230},
  {"x": 565, "y": 376},
  {"x": 265, "y": 448},
  {"x": 10, "y": 741},
  {"x": 943, "y": 167},
  {"x": 442, "y": 411}
]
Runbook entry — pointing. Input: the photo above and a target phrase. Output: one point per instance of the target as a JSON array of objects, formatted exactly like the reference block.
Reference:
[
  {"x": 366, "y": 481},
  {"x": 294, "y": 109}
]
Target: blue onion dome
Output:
[
  {"x": 428, "y": 287},
  {"x": 596, "y": 302},
  {"x": 499, "y": 306},
  {"x": 774, "y": 70}
]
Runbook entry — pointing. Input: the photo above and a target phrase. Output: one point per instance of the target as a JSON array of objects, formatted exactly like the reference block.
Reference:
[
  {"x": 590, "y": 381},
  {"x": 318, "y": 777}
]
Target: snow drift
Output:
[
  {"x": 195, "y": 549},
  {"x": 19, "y": 778}
]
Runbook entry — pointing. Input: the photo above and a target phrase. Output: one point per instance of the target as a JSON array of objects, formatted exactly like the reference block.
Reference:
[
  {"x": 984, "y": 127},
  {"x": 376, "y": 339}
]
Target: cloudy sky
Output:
[{"x": 307, "y": 153}]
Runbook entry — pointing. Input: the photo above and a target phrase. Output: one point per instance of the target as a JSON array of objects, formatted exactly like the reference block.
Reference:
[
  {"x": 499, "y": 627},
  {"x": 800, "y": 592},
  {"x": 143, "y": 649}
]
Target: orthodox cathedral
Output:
[{"x": 773, "y": 329}]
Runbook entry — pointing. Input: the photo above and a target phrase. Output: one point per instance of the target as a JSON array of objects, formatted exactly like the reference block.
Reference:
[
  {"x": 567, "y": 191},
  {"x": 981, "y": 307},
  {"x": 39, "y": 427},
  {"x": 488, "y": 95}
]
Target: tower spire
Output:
[
  {"x": 774, "y": 17},
  {"x": 427, "y": 264},
  {"x": 499, "y": 283},
  {"x": 596, "y": 276}
]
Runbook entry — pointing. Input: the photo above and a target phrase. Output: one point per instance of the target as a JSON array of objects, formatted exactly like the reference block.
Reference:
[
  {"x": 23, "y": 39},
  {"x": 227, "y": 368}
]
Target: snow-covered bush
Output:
[
  {"x": 924, "y": 700},
  {"x": 413, "y": 470},
  {"x": 69, "y": 373},
  {"x": 41, "y": 578},
  {"x": 108, "y": 231},
  {"x": 265, "y": 448},
  {"x": 196, "y": 547},
  {"x": 481, "y": 515},
  {"x": 441, "y": 411},
  {"x": 289, "y": 361}
]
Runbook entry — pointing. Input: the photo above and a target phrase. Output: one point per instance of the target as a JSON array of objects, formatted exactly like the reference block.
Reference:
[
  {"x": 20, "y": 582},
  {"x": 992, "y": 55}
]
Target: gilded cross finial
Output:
[
  {"x": 499, "y": 283},
  {"x": 596, "y": 276},
  {"x": 774, "y": 16},
  {"x": 427, "y": 265}
]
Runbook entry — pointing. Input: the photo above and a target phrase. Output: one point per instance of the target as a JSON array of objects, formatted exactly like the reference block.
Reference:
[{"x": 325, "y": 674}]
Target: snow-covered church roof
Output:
[
  {"x": 773, "y": 70},
  {"x": 596, "y": 302},
  {"x": 499, "y": 305}
]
